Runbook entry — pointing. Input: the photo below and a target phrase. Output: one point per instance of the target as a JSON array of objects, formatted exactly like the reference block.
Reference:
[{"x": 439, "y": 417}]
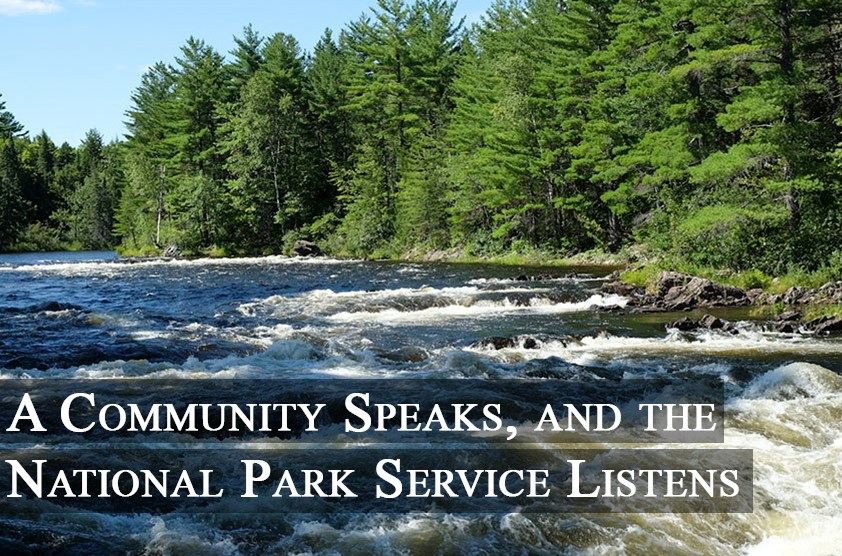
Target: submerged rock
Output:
[{"x": 408, "y": 354}]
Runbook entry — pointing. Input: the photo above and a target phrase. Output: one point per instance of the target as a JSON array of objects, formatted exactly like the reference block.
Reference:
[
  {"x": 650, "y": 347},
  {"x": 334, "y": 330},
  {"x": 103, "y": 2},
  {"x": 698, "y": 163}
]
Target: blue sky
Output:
[{"x": 71, "y": 65}]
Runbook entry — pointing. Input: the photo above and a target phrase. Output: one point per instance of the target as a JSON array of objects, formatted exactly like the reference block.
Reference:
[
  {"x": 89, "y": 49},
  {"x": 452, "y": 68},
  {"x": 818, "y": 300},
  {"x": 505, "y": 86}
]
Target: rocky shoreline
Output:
[{"x": 676, "y": 292}]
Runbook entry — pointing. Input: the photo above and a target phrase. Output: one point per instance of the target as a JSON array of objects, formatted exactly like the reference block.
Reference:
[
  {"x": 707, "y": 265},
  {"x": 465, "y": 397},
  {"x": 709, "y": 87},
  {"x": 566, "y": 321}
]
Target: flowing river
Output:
[{"x": 90, "y": 315}]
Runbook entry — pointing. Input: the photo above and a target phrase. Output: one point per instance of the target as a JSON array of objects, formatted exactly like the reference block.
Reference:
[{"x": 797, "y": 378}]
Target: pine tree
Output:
[
  {"x": 198, "y": 94},
  {"x": 13, "y": 207},
  {"x": 327, "y": 94},
  {"x": 150, "y": 161},
  {"x": 9, "y": 126},
  {"x": 248, "y": 57},
  {"x": 268, "y": 144},
  {"x": 94, "y": 201}
]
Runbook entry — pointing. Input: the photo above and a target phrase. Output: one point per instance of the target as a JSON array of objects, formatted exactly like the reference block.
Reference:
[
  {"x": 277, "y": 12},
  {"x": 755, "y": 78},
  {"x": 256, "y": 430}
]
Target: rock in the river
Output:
[
  {"x": 786, "y": 327},
  {"x": 697, "y": 292},
  {"x": 789, "y": 316},
  {"x": 679, "y": 292},
  {"x": 530, "y": 343},
  {"x": 498, "y": 342},
  {"x": 622, "y": 288},
  {"x": 669, "y": 280},
  {"x": 533, "y": 277},
  {"x": 408, "y": 354},
  {"x": 304, "y": 248},
  {"x": 707, "y": 322},
  {"x": 685, "y": 325},
  {"x": 712, "y": 323},
  {"x": 825, "y": 325}
]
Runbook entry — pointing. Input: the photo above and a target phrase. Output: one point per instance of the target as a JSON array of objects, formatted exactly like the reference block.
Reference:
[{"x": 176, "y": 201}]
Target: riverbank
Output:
[{"x": 798, "y": 308}]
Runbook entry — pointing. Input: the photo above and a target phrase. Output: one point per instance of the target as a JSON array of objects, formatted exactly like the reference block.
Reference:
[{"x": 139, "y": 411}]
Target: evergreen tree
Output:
[
  {"x": 9, "y": 126},
  {"x": 248, "y": 57},
  {"x": 268, "y": 146},
  {"x": 198, "y": 94},
  {"x": 327, "y": 94},
  {"x": 13, "y": 208}
]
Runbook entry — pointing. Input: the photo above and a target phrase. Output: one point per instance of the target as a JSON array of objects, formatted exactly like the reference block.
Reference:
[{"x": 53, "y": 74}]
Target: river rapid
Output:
[{"x": 90, "y": 315}]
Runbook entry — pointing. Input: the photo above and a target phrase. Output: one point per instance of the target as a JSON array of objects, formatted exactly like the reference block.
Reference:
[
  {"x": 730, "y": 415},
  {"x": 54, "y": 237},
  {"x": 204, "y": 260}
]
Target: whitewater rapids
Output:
[{"x": 93, "y": 316}]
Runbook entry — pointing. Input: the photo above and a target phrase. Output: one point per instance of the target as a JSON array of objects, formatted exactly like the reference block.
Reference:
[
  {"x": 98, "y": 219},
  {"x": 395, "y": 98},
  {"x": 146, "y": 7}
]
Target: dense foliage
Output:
[{"x": 706, "y": 130}]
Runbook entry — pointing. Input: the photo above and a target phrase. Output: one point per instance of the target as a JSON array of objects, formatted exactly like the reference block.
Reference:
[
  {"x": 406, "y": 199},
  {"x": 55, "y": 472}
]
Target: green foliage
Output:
[
  {"x": 708, "y": 130},
  {"x": 39, "y": 237},
  {"x": 13, "y": 207}
]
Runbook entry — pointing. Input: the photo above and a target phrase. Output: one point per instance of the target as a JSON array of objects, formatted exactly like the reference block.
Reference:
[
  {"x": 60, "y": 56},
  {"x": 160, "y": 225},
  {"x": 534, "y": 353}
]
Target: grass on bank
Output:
[
  {"x": 813, "y": 312},
  {"x": 647, "y": 275}
]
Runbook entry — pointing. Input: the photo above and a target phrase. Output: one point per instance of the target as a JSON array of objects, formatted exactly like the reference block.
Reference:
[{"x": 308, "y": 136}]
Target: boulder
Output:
[
  {"x": 701, "y": 292},
  {"x": 712, "y": 323},
  {"x": 669, "y": 280},
  {"x": 786, "y": 327},
  {"x": 825, "y": 325},
  {"x": 408, "y": 354},
  {"x": 304, "y": 248},
  {"x": 685, "y": 325},
  {"x": 530, "y": 343},
  {"x": 796, "y": 295},
  {"x": 830, "y": 293},
  {"x": 706, "y": 322},
  {"x": 622, "y": 288},
  {"x": 789, "y": 316},
  {"x": 497, "y": 343}
]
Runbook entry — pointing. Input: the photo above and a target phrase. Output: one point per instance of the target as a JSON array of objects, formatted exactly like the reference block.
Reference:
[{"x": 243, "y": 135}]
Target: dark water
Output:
[{"x": 88, "y": 315}]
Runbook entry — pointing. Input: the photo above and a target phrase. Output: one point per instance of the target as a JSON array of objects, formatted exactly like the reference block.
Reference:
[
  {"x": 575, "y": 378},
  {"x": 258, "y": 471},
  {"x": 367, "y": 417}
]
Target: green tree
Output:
[
  {"x": 9, "y": 126},
  {"x": 268, "y": 147},
  {"x": 199, "y": 92},
  {"x": 13, "y": 208}
]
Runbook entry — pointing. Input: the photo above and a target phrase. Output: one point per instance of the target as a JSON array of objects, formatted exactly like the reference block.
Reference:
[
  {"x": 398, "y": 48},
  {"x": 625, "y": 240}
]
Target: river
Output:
[{"x": 91, "y": 315}]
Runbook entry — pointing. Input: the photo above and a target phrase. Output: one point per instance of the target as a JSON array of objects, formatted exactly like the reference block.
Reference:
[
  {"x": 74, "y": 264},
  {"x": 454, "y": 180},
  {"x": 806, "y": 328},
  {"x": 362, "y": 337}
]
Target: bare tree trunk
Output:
[{"x": 160, "y": 207}]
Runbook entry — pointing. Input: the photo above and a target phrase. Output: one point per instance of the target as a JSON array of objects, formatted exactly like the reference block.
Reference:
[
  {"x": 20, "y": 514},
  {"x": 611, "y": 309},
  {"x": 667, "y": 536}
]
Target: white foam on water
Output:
[
  {"x": 607, "y": 348},
  {"x": 789, "y": 417},
  {"x": 802, "y": 534},
  {"x": 326, "y": 300},
  {"x": 113, "y": 268},
  {"x": 478, "y": 309}
]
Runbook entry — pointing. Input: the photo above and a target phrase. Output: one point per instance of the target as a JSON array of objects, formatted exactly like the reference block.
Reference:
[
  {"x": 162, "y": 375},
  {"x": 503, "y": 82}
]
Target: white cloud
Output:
[{"x": 28, "y": 7}]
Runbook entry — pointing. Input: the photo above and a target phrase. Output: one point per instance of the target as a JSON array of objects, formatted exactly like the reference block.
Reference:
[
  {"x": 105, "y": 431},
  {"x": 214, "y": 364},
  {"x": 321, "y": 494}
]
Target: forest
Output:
[{"x": 706, "y": 132}]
